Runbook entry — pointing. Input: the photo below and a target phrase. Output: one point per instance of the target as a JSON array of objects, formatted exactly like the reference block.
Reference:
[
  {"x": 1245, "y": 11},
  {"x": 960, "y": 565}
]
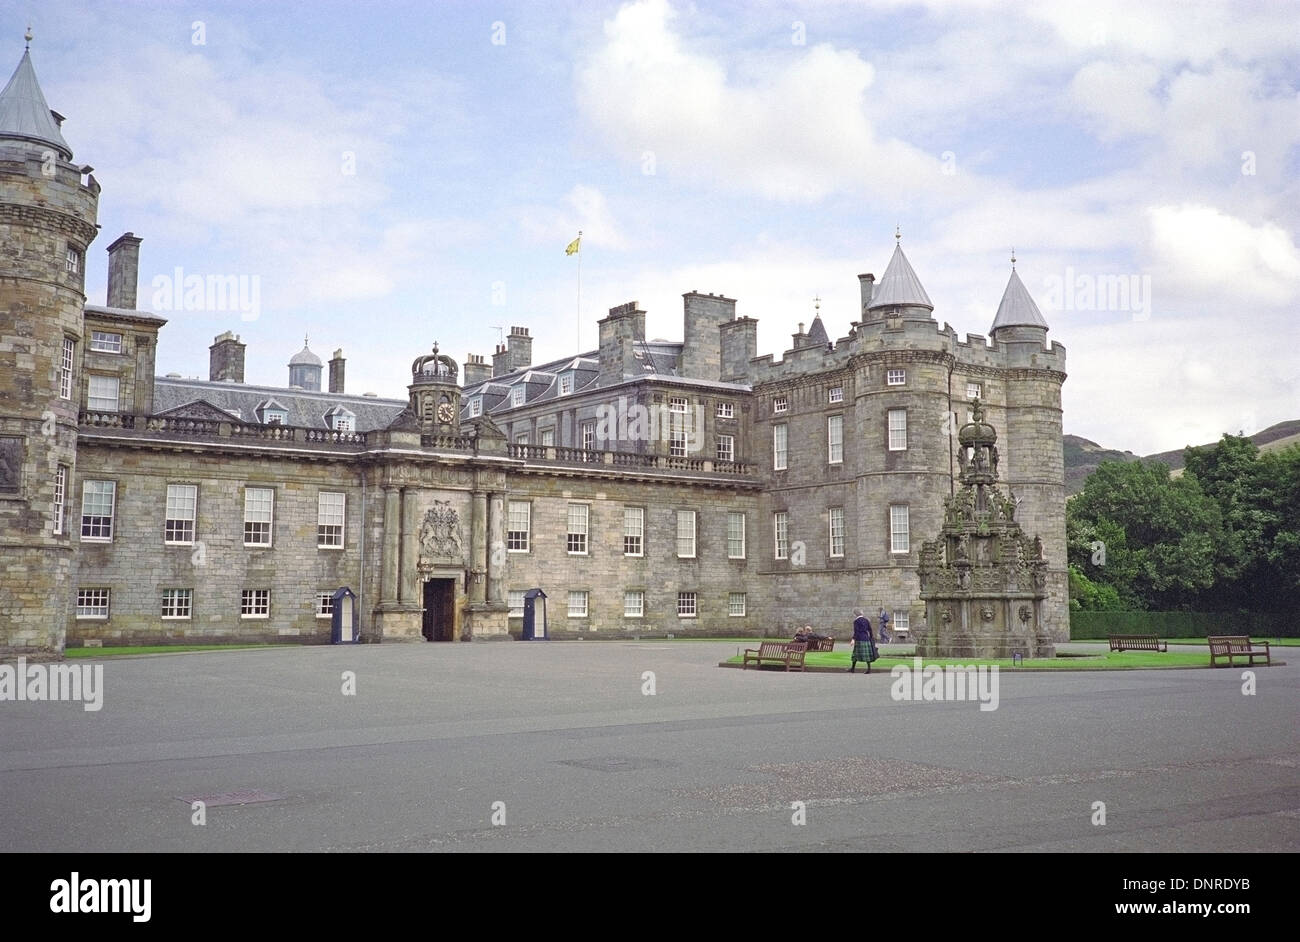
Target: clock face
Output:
[{"x": 445, "y": 412}]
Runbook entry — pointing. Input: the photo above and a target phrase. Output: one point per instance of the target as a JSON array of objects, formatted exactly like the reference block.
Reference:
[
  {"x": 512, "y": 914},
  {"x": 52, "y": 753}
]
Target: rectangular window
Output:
[
  {"x": 519, "y": 516},
  {"x": 517, "y": 395},
  {"x": 566, "y": 384},
  {"x": 177, "y": 603},
  {"x": 735, "y": 604},
  {"x": 735, "y": 535},
  {"x": 902, "y": 621},
  {"x": 65, "y": 368},
  {"x": 342, "y": 422},
  {"x": 97, "y": 500},
  {"x": 103, "y": 393},
  {"x": 780, "y": 437},
  {"x": 634, "y": 603},
  {"x": 577, "y": 604},
  {"x": 678, "y": 444},
  {"x": 685, "y": 534},
  {"x": 102, "y": 341},
  {"x": 329, "y": 519},
  {"x": 515, "y": 599},
  {"x": 577, "y": 536},
  {"x": 182, "y": 502},
  {"x": 898, "y": 430},
  {"x": 836, "y": 522},
  {"x": 521, "y": 438},
  {"x": 325, "y": 605},
  {"x": 780, "y": 404},
  {"x": 92, "y": 603},
  {"x": 974, "y": 391},
  {"x": 686, "y": 605},
  {"x": 900, "y": 540},
  {"x": 633, "y": 531},
  {"x": 476, "y": 407},
  {"x": 678, "y": 404},
  {"x": 835, "y": 394},
  {"x": 72, "y": 260},
  {"x": 60, "y": 497},
  {"x": 726, "y": 410},
  {"x": 726, "y": 448},
  {"x": 835, "y": 439},
  {"x": 259, "y": 508},
  {"x": 895, "y": 377},
  {"x": 781, "y": 534},
  {"x": 588, "y": 430},
  {"x": 548, "y": 438},
  {"x": 255, "y": 603}
]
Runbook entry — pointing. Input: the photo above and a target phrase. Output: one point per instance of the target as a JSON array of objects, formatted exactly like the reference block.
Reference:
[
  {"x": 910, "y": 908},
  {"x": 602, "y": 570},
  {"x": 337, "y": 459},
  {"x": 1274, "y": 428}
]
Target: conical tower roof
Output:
[
  {"x": 817, "y": 332},
  {"x": 899, "y": 286},
  {"x": 1018, "y": 308},
  {"x": 24, "y": 115}
]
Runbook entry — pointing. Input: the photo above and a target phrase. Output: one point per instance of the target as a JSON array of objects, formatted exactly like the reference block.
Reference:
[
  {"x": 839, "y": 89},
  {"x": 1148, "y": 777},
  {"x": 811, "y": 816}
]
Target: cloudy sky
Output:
[{"x": 399, "y": 173}]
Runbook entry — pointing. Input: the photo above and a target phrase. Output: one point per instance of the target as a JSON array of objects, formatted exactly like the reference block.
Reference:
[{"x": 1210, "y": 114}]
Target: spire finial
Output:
[
  {"x": 28, "y": 37},
  {"x": 1013, "y": 258},
  {"x": 817, "y": 305},
  {"x": 304, "y": 341},
  {"x": 897, "y": 233},
  {"x": 435, "y": 348}
]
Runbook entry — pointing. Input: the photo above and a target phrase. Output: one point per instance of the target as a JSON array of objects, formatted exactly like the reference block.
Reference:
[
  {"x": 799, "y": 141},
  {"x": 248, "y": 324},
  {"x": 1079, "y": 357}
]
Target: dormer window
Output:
[
  {"x": 342, "y": 420},
  {"x": 566, "y": 384},
  {"x": 517, "y": 396},
  {"x": 476, "y": 406},
  {"x": 271, "y": 412}
]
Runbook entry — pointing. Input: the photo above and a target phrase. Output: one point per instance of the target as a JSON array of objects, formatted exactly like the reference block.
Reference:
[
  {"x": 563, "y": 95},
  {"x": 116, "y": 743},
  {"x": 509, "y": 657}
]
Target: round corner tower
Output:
[{"x": 48, "y": 208}]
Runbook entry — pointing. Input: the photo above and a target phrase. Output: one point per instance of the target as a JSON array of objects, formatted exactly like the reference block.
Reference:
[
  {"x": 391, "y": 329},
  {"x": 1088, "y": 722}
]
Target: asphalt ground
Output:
[{"x": 559, "y": 746}]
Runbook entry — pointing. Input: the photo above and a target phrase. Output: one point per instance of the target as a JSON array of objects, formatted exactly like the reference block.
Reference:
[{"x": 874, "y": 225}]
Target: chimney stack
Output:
[
  {"x": 501, "y": 360},
  {"x": 866, "y": 284},
  {"x": 521, "y": 348},
  {"x": 476, "y": 369},
  {"x": 336, "y": 371},
  {"x": 226, "y": 359},
  {"x": 123, "y": 271}
]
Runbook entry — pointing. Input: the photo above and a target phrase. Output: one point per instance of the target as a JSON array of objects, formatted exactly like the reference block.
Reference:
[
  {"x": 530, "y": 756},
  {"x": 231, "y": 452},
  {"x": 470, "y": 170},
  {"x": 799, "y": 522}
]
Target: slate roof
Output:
[
  {"x": 24, "y": 115},
  {"x": 1018, "y": 308},
  {"x": 306, "y": 409},
  {"x": 899, "y": 286},
  {"x": 817, "y": 333}
]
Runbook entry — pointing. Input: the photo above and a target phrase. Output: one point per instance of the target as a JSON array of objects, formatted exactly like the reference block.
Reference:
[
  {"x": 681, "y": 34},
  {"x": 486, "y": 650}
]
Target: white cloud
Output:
[
  {"x": 797, "y": 133},
  {"x": 584, "y": 209}
]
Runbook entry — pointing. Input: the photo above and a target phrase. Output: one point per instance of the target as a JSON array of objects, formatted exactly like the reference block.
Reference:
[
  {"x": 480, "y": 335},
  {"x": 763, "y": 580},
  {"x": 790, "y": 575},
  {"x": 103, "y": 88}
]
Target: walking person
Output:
[
  {"x": 864, "y": 645},
  {"x": 885, "y": 637}
]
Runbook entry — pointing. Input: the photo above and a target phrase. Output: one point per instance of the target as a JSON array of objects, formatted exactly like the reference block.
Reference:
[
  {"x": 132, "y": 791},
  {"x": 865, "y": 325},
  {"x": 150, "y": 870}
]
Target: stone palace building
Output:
[{"x": 647, "y": 486}]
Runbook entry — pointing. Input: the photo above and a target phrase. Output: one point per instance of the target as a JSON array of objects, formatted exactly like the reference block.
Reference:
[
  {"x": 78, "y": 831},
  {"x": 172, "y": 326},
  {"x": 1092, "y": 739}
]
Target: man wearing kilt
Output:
[{"x": 864, "y": 645}]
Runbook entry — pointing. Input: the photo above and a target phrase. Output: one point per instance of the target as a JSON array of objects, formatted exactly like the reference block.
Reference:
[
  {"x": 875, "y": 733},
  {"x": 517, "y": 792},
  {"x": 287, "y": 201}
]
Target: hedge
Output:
[{"x": 1096, "y": 625}]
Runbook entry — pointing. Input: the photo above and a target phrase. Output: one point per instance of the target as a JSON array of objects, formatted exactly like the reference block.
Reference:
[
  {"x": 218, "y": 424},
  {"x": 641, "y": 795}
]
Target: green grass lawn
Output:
[
  {"x": 165, "y": 649},
  {"x": 1110, "y": 660}
]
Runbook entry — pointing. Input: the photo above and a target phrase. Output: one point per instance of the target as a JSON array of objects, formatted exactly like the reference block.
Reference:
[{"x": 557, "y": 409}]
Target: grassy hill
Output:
[{"x": 1082, "y": 456}]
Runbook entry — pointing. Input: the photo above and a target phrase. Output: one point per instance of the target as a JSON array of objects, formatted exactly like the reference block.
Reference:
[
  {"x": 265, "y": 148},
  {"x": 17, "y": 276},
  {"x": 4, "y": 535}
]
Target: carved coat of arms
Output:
[{"x": 440, "y": 533}]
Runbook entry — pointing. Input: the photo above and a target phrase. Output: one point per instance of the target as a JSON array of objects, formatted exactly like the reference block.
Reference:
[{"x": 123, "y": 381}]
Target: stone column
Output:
[
  {"x": 496, "y": 546},
  {"x": 392, "y": 543},
  {"x": 478, "y": 547},
  {"x": 410, "y": 548}
]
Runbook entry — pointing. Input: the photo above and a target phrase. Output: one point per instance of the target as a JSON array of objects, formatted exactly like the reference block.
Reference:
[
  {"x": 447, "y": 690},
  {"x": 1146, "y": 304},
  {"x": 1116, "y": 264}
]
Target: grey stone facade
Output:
[{"x": 662, "y": 431}]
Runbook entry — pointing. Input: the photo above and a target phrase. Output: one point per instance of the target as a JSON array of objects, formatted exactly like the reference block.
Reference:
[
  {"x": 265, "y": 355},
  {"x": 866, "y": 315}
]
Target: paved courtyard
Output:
[{"x": 582, "y": 760}]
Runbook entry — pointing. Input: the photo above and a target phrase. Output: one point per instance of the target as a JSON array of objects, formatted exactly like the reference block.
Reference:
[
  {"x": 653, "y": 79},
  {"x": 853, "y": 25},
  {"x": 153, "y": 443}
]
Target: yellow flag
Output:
[{"x": 572, "y": 246}]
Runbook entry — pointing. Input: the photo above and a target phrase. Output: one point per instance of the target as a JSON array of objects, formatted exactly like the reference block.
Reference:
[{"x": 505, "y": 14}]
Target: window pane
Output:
[
  {"x": 686, "y": 533},
  {"x": 518, "y": 520},
  {"x": 900, "y": 538},
  {"x": 258, "y": 506},
  {"x": 897, "y": 429},
  {"x": 736, "y": 603},
  {"x": 779, "y": 438},
  {"x": 103, "y": 393},
  {"x": 835, "y": 438},
  {"x": 633, "y": 531},
  {"x": 837, "y": 531},
  {"x": 182, "y": 499},
  {"x": 577, "y": 535},
  {"x": 330, "y": 508},
  {"x": 577, "y": 604},
  {"x": 781, "y": 533},
  {"x": 633, "y": 603},
  {"x": 97, "y": 499},
  {"x": 735, "y": 536}
]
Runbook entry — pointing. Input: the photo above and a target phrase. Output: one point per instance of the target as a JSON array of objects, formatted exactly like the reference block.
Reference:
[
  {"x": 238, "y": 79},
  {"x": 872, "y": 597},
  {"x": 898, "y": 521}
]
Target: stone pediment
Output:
[{"x": 202, "y": 409}]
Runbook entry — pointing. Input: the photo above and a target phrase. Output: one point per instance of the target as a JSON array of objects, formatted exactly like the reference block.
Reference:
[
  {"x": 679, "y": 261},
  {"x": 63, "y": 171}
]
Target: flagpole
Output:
[{"x": 579, "y": 350}]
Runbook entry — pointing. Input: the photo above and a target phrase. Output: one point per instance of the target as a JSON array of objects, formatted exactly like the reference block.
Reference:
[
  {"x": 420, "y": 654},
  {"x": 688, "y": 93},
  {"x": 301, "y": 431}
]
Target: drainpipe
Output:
[
  {"x": 952, "y": 487},
  {"x": 361, "y": 581}
]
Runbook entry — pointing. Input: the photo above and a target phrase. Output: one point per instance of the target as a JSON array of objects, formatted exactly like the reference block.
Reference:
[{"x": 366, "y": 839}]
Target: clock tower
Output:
[{"x": 435, "y": 393}]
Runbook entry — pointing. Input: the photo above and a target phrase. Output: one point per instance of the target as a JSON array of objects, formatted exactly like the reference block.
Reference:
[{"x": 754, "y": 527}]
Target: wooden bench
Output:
[
  {"x": 1137, "y": 643},
  {"x": 822, "y": 644},
  {"x": 787, "y": 653},
  {"x": 1231, "y": 646}
]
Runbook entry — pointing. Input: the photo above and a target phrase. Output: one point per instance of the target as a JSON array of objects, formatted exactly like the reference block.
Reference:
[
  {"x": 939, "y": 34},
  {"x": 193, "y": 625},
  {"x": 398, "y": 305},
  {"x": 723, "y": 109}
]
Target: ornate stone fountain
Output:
[{"x": 983, "y": 581}]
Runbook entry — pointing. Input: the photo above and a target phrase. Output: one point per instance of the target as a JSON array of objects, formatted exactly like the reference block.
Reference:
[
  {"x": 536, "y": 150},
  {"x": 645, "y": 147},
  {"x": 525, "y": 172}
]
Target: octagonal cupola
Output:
[{"x": 435, "y": 392}]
